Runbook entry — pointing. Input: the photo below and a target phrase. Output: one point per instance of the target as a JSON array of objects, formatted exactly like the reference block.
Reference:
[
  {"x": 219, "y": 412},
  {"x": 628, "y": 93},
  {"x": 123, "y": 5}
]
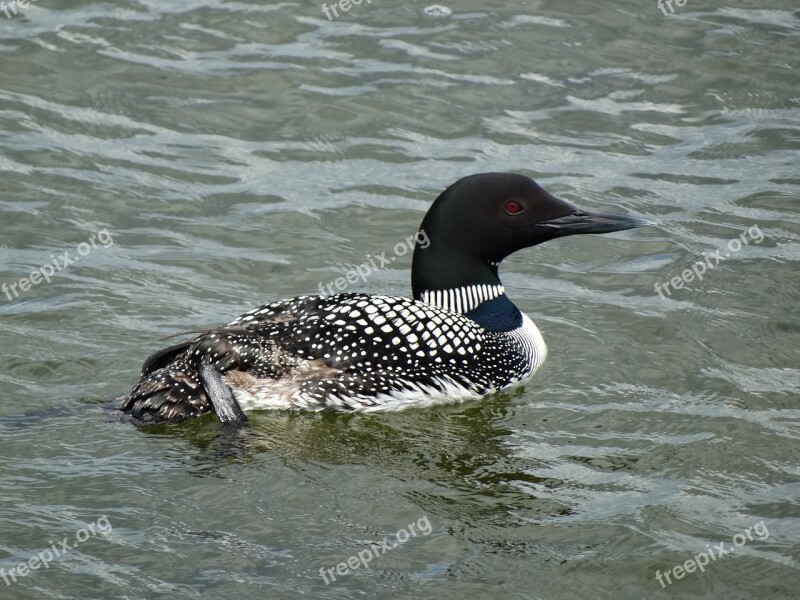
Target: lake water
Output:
[{"x": 195, "y": 159}]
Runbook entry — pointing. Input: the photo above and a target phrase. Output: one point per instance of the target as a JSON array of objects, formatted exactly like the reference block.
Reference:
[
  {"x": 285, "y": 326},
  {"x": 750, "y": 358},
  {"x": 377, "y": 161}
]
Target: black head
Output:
[{"x": 481, "y": 219}]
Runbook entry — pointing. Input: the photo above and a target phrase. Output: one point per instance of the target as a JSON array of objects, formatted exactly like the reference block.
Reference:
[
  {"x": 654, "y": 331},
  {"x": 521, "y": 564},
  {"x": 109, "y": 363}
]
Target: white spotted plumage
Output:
[{"x": 352, "y": 352}]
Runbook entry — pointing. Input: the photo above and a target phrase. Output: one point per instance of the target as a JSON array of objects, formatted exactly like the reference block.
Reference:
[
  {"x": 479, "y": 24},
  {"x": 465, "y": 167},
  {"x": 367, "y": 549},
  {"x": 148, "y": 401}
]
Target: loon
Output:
[{"x": 458, "y": 338}]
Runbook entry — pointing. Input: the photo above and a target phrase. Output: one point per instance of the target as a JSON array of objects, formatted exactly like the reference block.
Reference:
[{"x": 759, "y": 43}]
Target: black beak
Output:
[{"x": 582, "y": 221}]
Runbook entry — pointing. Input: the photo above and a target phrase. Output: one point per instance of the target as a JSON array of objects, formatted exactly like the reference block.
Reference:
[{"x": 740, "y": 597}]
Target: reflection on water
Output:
[{"x": 463, "y": 447}]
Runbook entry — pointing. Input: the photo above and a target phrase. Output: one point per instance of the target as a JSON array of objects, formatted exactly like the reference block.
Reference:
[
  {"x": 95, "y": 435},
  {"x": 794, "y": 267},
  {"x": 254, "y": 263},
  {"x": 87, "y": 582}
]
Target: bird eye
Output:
[{"x": 513, "y": 207}]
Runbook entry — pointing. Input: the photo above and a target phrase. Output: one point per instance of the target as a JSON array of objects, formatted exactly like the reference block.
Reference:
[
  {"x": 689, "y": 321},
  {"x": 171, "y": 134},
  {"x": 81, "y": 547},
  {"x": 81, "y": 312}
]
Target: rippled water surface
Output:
[{"x": 225, "y": 154}]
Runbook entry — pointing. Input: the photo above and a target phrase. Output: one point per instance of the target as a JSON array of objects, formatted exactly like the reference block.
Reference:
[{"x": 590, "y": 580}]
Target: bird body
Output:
[{"x": 459, "y": 337}]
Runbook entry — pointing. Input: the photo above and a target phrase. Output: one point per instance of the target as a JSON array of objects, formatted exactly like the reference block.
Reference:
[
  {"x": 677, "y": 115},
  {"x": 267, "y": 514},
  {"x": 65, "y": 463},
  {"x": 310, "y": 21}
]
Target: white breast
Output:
[{"x": 532, "y": 341}]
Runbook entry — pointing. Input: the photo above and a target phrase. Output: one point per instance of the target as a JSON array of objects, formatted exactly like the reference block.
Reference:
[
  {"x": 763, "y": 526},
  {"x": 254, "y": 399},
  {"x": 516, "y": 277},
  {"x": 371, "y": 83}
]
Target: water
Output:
[{"x": 225, "y": 154}]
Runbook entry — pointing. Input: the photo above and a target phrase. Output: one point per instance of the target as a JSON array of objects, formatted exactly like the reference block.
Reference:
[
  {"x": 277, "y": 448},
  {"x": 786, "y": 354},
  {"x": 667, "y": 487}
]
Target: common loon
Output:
[{"x": 459, "y": 337}]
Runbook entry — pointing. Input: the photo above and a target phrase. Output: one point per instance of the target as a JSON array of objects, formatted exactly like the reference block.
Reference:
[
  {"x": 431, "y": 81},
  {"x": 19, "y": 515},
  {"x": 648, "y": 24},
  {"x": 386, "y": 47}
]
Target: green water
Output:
[{"x": 226, "y": 154}]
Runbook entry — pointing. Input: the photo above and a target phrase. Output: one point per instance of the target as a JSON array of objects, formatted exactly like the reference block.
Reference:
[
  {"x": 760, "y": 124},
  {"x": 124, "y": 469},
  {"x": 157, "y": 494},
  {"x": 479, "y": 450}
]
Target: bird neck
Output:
[
  {"x": 462, "y": 284},
  {"x": 438, "y": 267}
]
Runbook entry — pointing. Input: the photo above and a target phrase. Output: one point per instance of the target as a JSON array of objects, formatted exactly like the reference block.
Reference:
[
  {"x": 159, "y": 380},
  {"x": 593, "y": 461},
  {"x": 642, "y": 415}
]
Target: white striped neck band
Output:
[{"x": 463, "y": 299}]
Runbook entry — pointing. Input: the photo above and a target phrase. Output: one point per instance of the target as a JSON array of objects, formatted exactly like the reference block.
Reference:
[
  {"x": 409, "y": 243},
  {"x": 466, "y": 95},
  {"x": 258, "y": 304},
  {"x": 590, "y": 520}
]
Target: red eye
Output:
[{"x": 513, "y": 207}]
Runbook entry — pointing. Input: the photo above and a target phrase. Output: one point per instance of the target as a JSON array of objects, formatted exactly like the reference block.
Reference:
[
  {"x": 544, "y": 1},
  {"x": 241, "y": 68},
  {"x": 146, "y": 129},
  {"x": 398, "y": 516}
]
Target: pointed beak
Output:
[{"x": 582, "y": 221}]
